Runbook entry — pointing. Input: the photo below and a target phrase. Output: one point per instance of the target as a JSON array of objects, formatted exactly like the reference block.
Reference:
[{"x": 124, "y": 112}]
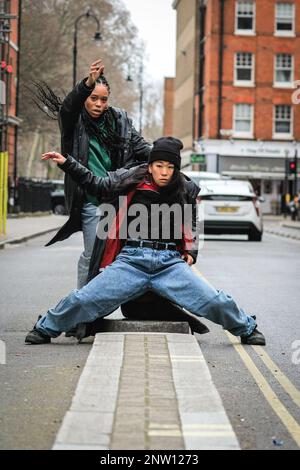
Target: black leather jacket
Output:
[
  {"x": 104, "y": 187},
  {"x": 75, "y": 141}
]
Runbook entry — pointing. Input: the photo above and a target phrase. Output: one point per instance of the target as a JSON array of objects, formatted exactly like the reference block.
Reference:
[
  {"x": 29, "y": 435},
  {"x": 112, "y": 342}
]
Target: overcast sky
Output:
[{"x": 156, "y": 22}]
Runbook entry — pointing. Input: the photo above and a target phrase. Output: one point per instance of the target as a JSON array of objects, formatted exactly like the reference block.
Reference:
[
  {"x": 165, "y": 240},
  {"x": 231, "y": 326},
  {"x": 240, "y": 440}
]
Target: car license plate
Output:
[{"x": 227, "y": 209}]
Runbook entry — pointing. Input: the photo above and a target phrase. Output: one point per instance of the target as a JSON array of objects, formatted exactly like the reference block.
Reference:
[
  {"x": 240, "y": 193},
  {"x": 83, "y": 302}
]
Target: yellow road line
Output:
[
  {"x": 283, "y": 414},
  {"x": 286, "y": 418},
  {"x": 286, "y": 384}
]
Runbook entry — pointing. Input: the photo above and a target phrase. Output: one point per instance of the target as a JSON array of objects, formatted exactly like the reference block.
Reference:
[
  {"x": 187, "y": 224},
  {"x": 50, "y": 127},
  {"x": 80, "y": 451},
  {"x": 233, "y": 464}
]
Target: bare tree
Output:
[
  {"x": 46, "y": 55},
  {"x": 153, "y": 110}
]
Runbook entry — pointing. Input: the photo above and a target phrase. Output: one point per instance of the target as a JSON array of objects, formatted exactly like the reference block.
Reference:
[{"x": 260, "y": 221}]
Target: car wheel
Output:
[
  {"x": 255, "y": 236},
  {"x": 59, "y": 209}
]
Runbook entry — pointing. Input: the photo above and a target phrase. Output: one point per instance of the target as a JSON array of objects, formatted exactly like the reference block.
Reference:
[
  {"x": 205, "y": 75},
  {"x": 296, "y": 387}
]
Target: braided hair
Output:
[
  {"x": 50, "y": 104},
  {"x": 109, "y": 138}
]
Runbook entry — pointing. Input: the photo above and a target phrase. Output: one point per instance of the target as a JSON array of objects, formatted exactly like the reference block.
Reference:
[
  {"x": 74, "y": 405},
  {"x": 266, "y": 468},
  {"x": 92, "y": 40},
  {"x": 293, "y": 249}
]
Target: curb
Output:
[
  {"x": 295, "y": 227},
  {"x": 281, "y": 234},
  {"x": 17, "y": 241}
]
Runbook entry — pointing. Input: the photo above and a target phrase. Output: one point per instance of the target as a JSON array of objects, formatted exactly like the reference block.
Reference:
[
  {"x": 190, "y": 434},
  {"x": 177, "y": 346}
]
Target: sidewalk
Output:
[
  {"x": 21, "y": 229},
  {"x": 146, "y": 391},
  {"x": 284, "y": 227}
]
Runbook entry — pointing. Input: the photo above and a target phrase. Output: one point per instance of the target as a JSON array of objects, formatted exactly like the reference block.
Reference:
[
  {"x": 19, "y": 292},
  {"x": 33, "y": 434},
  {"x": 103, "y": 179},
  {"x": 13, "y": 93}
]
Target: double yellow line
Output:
[
  {"x": 283, "y": 414},
  {"x": 278, "y": 407}
]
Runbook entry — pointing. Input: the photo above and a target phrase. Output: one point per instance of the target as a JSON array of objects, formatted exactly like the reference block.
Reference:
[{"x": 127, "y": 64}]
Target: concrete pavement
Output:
[
  {"x": 283, "y": 227},
  {"x": 146, "y": 391},
  {"x": 21, "y": 229}
]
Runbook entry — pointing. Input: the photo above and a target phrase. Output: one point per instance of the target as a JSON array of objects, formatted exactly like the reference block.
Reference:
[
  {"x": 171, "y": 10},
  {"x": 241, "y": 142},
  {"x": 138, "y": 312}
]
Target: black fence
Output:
[{"x": 34, "y": 196}]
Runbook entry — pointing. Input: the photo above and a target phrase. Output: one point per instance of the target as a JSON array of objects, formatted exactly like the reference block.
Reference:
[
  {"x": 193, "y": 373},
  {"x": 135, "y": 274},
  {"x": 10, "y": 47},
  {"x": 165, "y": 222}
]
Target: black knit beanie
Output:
[{"x": 166, "y": 149}]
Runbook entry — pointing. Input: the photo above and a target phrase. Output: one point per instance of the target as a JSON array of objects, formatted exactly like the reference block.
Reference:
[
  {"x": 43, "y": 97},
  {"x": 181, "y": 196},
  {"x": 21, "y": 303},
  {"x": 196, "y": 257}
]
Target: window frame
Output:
[
  {"x": 243, "y": 134},
  {"x": 284, "y": 84},
  {"x": 245, "y": 32},
  {"x": 283, "y": 135},
  {"x": 285, "y": 33},
  {"x": 245, "y": 83}
]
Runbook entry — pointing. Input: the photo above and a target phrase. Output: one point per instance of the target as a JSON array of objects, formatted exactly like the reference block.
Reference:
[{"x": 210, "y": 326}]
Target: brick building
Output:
[
  {"x": 237, "y": 63},
  {"x": 9, "y": 50}
]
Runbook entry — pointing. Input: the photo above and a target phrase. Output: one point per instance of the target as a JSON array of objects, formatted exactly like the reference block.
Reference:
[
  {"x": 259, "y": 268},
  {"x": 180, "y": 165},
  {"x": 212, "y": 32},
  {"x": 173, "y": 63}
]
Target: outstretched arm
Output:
[{"x": 94, "y": 185}]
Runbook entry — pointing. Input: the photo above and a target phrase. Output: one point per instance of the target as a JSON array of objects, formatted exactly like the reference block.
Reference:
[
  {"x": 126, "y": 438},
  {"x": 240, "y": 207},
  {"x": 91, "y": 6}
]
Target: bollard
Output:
[{"x": 3, "y": 191}]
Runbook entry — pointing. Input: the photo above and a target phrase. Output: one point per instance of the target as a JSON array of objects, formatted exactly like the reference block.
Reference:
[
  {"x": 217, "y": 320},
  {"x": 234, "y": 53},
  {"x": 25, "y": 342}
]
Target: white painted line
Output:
[
  {"x": 205, "y": 424},
  {"x": 89, "y": 422}
]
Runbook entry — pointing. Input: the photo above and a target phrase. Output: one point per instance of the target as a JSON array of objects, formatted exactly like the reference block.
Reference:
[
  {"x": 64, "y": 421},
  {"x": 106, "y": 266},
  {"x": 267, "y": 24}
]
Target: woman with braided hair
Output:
[{"x": 100, "y": 137}]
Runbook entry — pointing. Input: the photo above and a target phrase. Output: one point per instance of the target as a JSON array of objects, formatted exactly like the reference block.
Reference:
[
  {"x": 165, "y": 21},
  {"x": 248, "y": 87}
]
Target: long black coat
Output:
[
  {"x": 105, "y": 187},
  {"x": 75, "y": 141},
  {"x": 150, "y": 305}
]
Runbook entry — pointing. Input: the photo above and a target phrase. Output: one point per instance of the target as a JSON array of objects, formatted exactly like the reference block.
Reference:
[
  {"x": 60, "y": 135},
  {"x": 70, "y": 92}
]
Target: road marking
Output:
[
  {"x": 217, "y": 426},
  {"x": 286, "y": 418},
  {"x": 286, "y": 384},
  {"x": 191, "y": 433}
]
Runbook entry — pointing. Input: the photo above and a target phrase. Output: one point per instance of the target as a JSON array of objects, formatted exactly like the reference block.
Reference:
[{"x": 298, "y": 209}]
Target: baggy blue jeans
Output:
[
  {"x": 135, "y": 271},
  {"x": 90, "y": 218}
]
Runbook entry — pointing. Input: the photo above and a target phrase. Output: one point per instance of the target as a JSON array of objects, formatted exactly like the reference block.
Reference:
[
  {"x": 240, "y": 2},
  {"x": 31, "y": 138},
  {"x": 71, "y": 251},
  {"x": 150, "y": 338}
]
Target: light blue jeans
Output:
[
  {"x": 135, "y": 271},
  {"x": 90, "y": 218}
]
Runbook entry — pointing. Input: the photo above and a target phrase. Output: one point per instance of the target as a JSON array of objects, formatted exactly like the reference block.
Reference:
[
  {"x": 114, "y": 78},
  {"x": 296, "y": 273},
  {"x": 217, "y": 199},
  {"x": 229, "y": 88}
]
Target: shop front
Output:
[{"x": 261, "y": 163}]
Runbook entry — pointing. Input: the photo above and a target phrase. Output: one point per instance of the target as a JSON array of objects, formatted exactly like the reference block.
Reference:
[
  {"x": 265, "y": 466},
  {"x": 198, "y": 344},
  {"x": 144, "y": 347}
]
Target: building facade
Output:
[
  {"x": 9, "y": 122},
  {"x": 243, "y": 99},
  {"x": 168, "y": 124}
]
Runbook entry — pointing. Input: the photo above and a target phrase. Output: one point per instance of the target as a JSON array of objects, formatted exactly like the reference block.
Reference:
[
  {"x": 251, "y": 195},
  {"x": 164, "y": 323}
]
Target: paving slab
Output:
[{"x": 146, "y": 391}]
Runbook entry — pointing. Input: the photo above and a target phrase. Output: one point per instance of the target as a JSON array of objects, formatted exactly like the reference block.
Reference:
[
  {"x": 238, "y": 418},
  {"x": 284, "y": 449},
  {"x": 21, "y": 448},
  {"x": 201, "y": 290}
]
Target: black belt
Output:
[{"x": 154, "y": 245}]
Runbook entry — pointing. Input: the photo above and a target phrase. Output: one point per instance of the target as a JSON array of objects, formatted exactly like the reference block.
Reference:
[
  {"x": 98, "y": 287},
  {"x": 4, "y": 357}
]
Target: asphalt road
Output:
[
  {"x": 264, "y": 279},
  {"x": 37, "y": 383}
]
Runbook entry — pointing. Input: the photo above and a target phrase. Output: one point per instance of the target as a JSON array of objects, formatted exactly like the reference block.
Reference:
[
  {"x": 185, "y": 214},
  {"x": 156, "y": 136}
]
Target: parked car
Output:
[
  {"x": 231, "y": 207},
  {"x": 58, "y": 197},
  {"x": 199, "y": 176}
]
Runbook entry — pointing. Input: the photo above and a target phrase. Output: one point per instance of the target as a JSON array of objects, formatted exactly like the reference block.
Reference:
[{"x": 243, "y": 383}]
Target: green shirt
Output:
[{"x": 99, "y": 161}]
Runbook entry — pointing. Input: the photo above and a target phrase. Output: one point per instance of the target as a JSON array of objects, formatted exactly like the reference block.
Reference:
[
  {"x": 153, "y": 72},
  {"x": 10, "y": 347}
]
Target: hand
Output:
[
  {"x": 96, "y": 70},
  {"x": 188, "y": 259},
  {"x": 56, "y": 157}
]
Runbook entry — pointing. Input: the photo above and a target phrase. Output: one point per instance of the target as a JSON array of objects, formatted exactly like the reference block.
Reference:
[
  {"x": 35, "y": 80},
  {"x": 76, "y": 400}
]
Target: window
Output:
[
  {"x": 284, "y": 19},
  {"x": 244, "y": 69},
  {"x": 283, "y": 121},
  {"x": 245, "y": 15},
  {"x": 243, "y": 120},
  {"x": 284, "y": 70}
]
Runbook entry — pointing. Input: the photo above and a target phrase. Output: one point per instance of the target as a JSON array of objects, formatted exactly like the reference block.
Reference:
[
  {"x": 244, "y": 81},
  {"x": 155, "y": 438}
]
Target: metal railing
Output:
[{"x": 3, "y": 191}]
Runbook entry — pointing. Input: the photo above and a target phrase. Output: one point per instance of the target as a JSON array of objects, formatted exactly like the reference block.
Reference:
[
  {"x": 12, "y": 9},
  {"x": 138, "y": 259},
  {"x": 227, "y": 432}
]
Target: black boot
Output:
[
  {"x": 256, "y": 338},
  {"x": 36, "y": 337}
]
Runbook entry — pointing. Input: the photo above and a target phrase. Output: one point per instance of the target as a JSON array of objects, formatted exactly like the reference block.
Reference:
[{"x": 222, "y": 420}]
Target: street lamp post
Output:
[
  {"x": 97, "y": 37},
  {"x": 141, "y": 97}
]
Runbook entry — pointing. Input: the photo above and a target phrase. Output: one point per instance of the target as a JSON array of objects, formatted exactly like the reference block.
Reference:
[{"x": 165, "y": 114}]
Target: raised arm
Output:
[{"x": 74, "y": 101}]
